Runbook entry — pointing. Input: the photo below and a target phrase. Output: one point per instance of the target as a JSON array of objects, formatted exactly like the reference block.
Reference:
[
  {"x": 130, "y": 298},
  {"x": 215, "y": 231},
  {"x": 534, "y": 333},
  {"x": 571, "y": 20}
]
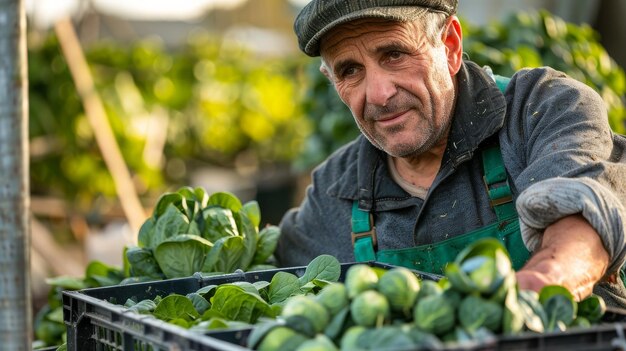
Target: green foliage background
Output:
[
  {"x": 541, "y": 39},
  {"x": 221, "y": 104}
]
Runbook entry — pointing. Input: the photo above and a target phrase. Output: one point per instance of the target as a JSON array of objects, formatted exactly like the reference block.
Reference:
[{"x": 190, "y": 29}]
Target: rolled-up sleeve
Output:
[
  {"x": 565, "y": 159},
  {"x": 547, "y": 201}
]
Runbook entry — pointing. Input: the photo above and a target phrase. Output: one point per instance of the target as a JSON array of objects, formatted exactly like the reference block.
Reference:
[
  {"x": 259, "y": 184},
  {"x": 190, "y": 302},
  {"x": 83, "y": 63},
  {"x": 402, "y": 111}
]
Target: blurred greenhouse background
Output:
[{"x": 216, "y": 94}]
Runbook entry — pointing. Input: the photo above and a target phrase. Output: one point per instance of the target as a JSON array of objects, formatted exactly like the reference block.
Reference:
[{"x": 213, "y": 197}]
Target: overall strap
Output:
[
  {"x": 363, "y": 234},
  {"x": 495, "y": 179},
  {"x": 497, "y": 184}
]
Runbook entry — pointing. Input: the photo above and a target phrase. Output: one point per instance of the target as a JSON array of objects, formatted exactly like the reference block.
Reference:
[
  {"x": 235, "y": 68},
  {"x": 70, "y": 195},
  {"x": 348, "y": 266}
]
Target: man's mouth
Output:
[{"x": 391, "y": 118}]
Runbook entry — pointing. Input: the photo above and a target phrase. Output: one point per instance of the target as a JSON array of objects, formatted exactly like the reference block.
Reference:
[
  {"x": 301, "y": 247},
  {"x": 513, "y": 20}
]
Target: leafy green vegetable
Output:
[
  {"x": 218, "y": 223},
  {"x": 175, "y": 307},
  {"x": 560, "y": 306},
  {"x": 225, "y": 200},
  {"x": 172, "y": 243},
  {"x": 252, "y": 210},
  {"x": 282, "y": 286},
  {"x": 236, "y": 304},
  {"x": 199, "y": 302},
  {"x": 225, "y": 255},
  {"x": 171, "y": 223},
  {"x": 141, "y": 307},
  {"x": 268, "y": 239},
  {"x": 190, "y": 231},
  {"x": 67, "y": 283},
  {"x": 323, "y": 267},
  {"x": 142, "y": 263},
  {"x": 182, "y": 255}
]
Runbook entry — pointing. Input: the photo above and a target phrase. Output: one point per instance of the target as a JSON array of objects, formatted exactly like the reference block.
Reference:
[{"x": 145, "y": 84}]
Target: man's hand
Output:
[{"x": 571, "y": 255}]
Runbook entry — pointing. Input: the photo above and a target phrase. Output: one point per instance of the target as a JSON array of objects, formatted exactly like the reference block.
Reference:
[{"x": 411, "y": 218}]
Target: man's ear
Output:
[
  {"x": 452, "y": 38},
  {"x": 325, "y": 71}
]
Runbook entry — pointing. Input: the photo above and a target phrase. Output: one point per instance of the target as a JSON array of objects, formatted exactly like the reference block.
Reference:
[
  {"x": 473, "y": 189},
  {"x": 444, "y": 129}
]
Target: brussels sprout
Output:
[
  {"x": 281, "y": 338},
  {"x": 369, "y": 308},
  {"x": 534, "y": 315},
  {"x": 560, "y": 306},
  {"x": 592, "y": 308},
  {"x": 481, "y": 267},
  {"x": 434, "y": 314},
  {"x": 475, "y": 312},
  {"x": 454, "y": 297},
  {"x": 320, "y": 343},
  {"x": 387, "y": 337},
  {"x": 513, "y": 318},
  {"x": 427, "y": 288},
  {"x": 306, "y": 307},
  {"x": 338, "y": 323},
  {"x": 400, "y": 286},
  {"x": 350, "y": 338},
  {"x": 359, "y": 278},
  {"x": 461, "y": 336},
  {"x": 581, "y": 322},
  {"x": 334, "y": 297},
  {"x": 509, "y": 283},
  {"x": 422, "y": 339}
]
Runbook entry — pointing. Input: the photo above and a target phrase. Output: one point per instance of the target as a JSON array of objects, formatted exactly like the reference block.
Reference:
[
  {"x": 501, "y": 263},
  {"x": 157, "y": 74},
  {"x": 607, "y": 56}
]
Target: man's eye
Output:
[
  {"x": 394, "y": 55},
  {"x": 348, "y": 71}
]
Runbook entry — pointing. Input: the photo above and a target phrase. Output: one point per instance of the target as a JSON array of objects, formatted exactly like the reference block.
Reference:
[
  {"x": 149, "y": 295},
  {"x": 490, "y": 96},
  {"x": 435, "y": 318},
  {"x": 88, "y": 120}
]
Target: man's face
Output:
[{"x": 398, "y": 85}]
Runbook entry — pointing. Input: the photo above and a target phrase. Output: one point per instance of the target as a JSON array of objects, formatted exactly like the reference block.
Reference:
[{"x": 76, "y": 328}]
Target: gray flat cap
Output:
[{"x": 318, "y": 17}]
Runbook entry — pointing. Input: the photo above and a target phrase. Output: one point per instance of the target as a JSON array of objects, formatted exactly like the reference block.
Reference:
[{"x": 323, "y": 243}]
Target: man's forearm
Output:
[{"x": 571, "y": 254}]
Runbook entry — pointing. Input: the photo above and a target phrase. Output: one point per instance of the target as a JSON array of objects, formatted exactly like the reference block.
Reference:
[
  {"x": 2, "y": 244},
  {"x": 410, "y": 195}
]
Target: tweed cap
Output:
[{"x": 318, "y": 17}]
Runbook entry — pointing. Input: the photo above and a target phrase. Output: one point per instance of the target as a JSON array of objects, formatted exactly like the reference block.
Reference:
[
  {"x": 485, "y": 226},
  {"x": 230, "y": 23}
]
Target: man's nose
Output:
[{"x": 379, "y": 86}]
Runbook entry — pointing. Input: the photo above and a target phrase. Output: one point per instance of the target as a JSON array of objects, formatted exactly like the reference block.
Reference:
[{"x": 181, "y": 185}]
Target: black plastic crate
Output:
[
  {"x": 96, "y": 319},
  {"x": 603, "y": 337},
  {"x": 609, "y": 335}
]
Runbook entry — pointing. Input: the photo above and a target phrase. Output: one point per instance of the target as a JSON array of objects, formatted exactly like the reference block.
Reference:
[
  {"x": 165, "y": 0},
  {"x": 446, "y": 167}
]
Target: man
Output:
[{"x": 449, "y": 152}]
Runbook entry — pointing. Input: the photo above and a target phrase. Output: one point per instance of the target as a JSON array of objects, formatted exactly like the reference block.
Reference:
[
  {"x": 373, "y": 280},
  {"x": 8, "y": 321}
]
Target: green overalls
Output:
[{"x": 434, "y": 257}]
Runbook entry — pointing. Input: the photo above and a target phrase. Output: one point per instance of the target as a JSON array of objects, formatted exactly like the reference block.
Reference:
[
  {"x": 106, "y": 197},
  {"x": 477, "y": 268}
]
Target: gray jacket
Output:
[{"x": 560, "y": 155}]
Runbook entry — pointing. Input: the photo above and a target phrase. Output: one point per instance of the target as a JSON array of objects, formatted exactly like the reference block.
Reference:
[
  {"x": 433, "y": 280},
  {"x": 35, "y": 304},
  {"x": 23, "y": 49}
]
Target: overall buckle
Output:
[
  {"x": 371, "y": 233},
  {"x": 497, "y": 201}
]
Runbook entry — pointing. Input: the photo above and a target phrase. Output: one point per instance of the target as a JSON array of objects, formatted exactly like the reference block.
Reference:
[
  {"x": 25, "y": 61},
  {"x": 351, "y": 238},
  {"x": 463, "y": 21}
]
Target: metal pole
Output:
[{"x": 15, "y": 295}]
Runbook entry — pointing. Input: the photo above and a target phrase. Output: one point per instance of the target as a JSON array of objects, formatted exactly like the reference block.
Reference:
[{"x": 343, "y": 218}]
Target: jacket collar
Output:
[{"x": 479, "y": 113}]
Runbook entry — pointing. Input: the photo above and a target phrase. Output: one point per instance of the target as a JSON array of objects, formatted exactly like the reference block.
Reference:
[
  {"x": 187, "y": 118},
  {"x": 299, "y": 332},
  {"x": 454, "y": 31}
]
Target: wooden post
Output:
[
  {"x": 15, "y": 294},
  {"x": 97, "y": 117}
]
